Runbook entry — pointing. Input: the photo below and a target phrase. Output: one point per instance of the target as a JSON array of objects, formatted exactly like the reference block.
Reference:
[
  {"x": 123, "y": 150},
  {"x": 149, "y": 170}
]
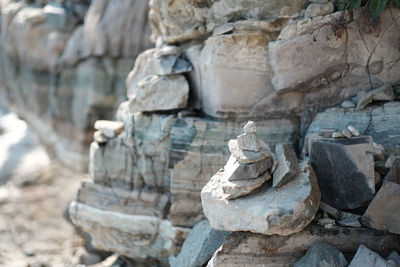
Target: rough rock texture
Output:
[
  {"x": 381, "y": 122},
  {"x": 248, "y": 249},
  {"x": 199, "y": 246},
  {"x": 52, "y": 71},
  {"x": 345, "y": 170},
  {"x": 198, "y": 150},
  {"x": 236, "y": 171},
  {"x": 287, "y": 166},
  {"x": 155, "y": 93},
  {"x": 382, "y": 212},
  {"x": 368, "y": 258},
  {"x": 135, "y": 236},
  {"x": 322, "y": 254},
  {"x": 269, "y": 210}
]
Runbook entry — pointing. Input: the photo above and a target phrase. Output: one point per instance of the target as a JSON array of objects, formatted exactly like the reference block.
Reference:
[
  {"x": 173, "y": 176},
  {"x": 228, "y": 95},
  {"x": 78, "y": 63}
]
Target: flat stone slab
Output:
[
  {"x": 367, "y": 258},
  {"x": 109, "y": 128},
  {"x": 345, "y": 170},
  {"x": 156, "y": 93},
  {"x": 322, "y": 254},
  {"x": 247, "y": 157},
  {"x": 238, "y": 188},
  {"x": 244, "y": 249},
  {"x": 199, "y": 246},
  {"x": 235, "y": 170},
  {"x": 287, "y": 166},
  {"x": 268, "y": 210},
  {"x": 383, "y": 212}
]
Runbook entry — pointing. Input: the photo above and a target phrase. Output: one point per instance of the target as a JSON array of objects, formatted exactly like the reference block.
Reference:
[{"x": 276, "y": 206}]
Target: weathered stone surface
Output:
[
  {"x": 380, "y": 122},
  {"x": 199, "y": 246},
  {"x": 99, "y": 137},
  {"x": 383, "y": 211},
  {"x": 247, "y": 156},
  {"x": 383, "y": 93},
  {"x": 394, "y": 256},
  {"x": 367, "y": 258},
  {"x": 348, "y": 104},
  {"x": 349, "y": 219},
  {"x": 249, "y": 142},
  {"x": 237, "y": 188},
  {"x": 346, "y": 133},
  {"x": 198, "y": 150},
  {"x": 379, "y": 151},
  {"x": 152, "y": 138},
  {"x": 322, "y": 254},
  {"x": 393, "y": 174},
  {"x": 248, "y": 249},
  {"x": 109, "y": 128},
  {"x": 287, "y": 166},
  {"x": 235, "y": 170},
  {"x": 182, "y": 21},
  {"x": 327, "y": 223},
  {"x": 315, "y": 10},
  {"x": 119, "y": 199},
  {"x": 250, "y": 127},
  {"x": 282, "y": 211},
  {"x": 136, "y": 236},
  {"x": 290, "y": 67},
  {"x": 345, "y": 170},
  {"x": 157, "y": 93},
  {"x": 113, "y": 164}
]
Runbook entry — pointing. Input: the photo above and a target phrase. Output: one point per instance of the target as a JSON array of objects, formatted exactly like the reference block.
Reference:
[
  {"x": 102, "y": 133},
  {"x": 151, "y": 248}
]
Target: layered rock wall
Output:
[{"x": 64, "y": 63}]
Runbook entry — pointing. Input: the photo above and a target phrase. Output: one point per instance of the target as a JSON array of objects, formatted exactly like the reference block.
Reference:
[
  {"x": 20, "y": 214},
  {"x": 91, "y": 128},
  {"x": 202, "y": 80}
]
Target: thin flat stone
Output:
[
  {"x": 346, "y": 133},
  {"x": 329, "y": 209},
  {"x": 237, "y": 171},
  {"x": 327, "y": 133},
  {"x": 109, "y": 128},
  {"x": 240, "y": 188},
  {"x": 250, "y": 127},
  {"x": 349, "y": 219},
  {"x": 287, "y": 166},
  {"x": 337, "y": 135},
  {"x": 99, "y": 137},
  {"x": 246, "y": 157},
  {"x": 353, "y": 130}
]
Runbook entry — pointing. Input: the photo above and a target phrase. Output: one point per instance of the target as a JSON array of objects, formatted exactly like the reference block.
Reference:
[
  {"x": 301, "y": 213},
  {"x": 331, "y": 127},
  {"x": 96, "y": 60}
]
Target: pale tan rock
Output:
[
  {"x": 383, "y": 93},
  {"x": 109, "y": 128},
  {"x": 245, "y": 156},
  {"x": 235, "y": 170},
  {"x": 379, "y": 151},
  {"x": 99, "y": 137},
  {"x": 316, "y": 9},
  {"x": 249, "y": 142},
  {"x": 327, "y": 223},
  {"x": 287, "y": 166},
  {"x": 250, "y": 127},
  {"x": 136, "y": 236},
  {"x": 155, "y": 93},
  {"x": 346, "y": 133},
  {"x": 337, "y": 135},
  {"x": 281, "y": 211}
]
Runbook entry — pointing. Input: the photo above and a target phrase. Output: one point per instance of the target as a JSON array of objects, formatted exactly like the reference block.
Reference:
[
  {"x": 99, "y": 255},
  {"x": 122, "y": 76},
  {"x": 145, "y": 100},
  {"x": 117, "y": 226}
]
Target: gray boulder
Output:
[
  {"x": 345, "y": 170},
  {"x": 367, "y": 258},
  {"x": 320, "y": 255},
  {"x": 199, "y": 246}
]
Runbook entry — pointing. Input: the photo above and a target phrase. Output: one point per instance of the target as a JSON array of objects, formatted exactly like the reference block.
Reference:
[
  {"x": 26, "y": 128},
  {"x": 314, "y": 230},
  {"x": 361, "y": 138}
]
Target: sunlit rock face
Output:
[
  {"x": 215, "y": 66},
  {"x": 64, "y": 64}
]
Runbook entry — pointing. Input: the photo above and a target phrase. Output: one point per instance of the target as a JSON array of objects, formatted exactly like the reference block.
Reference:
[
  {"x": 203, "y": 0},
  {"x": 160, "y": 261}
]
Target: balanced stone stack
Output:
[{"x": 239, "y": 198}]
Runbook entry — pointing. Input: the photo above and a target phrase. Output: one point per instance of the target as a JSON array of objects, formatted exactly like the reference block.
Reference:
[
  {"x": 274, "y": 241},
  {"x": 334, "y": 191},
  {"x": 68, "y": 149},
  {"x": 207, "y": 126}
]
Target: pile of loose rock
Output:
[{"x": 240, "y": 198}]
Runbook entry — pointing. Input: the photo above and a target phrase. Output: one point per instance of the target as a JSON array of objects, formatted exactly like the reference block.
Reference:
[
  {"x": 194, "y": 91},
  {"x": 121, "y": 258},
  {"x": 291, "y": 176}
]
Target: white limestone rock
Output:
[
  {"x": 316, "y": 9},
  {"x": 249, "y": 142},
  {"x": 268, "y": 210},
  {"x": 287, "y": 166},
  {"x": 155, "y": 93},
  {"x": 109, "y": 128},
  {"x": 235, "y": 170}
]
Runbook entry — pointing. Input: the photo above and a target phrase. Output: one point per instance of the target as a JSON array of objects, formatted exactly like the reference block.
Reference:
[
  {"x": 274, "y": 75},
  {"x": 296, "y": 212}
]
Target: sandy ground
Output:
[{"x": 34, "y": 193}]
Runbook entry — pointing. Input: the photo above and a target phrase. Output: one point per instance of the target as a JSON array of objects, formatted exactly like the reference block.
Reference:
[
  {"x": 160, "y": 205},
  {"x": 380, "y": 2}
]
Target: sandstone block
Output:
[{"x": 155, "y": 93}]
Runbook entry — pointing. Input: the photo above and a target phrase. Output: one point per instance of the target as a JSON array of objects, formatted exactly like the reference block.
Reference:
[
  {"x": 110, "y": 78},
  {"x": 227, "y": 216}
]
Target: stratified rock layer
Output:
[{"x": 248, "y": 249}]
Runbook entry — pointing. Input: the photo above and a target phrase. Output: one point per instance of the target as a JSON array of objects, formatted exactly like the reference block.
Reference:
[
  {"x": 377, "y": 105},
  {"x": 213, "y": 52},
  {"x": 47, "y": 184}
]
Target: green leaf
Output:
[
  {"x": 396, "y": 3},
  {"x": 341, "y": 4},
  {"x": 376, "y": 7},
  {"x": 354, "y": 4}
]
